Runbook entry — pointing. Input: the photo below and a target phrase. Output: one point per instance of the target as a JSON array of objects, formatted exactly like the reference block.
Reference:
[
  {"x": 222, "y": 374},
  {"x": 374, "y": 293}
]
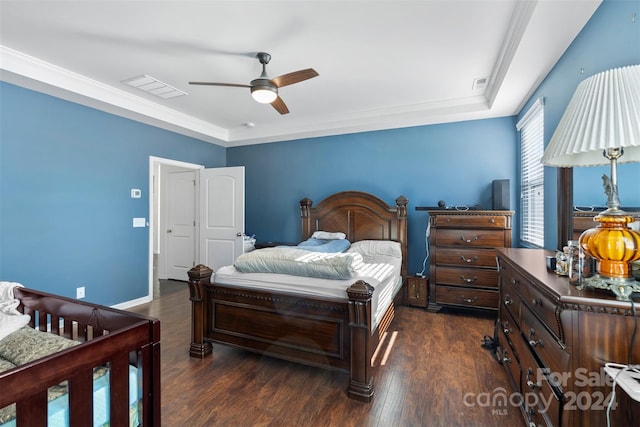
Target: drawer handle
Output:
[
  {"x": 515, "y": 282},
  {"x": 536, "y": 301},
  {"x": 530, "y": 383},
  {"x": 505, "y": 359},
  {"x": 506, "y": 328},
  {"x": 468, "y": 280},
  {"x": 416, "y": 290},
  {"x": 464, "y": 239},
  {"x": 532, "y": 341},
  {"x": 507, "y": 300},
  {"x": 468, "y": 260},
  {"x": 492, "y": 220},
  {"x": 469, "y": 300}
]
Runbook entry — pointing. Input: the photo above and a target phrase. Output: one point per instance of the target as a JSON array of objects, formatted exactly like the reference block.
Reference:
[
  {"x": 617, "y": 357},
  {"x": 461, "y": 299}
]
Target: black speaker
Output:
[{"x": 501, "y": 194}]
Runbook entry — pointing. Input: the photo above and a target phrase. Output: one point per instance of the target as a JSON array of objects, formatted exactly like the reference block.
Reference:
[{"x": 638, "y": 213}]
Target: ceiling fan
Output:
[{"x": 264, "y": 89}]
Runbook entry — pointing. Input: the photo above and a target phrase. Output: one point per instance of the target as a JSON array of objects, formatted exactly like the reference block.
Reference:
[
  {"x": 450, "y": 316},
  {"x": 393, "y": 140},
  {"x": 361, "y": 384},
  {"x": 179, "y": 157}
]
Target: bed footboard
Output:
[
  {"x": 325, "y": 333},
  {"x": 111, "y": 337}
]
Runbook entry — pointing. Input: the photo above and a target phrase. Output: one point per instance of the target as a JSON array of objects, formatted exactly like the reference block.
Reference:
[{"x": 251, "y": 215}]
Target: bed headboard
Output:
[{"x": 359, "y": 215}]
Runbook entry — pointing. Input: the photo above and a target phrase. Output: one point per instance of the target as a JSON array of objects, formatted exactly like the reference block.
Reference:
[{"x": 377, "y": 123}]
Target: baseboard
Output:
[{"x": 132, "y": 303}]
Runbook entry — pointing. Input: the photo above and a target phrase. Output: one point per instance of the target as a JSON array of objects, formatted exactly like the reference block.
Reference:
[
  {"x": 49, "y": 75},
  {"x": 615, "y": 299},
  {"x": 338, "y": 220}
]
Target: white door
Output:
[
  {"x": 221, "y": 216},
  {"x": 180, "y": 225}
]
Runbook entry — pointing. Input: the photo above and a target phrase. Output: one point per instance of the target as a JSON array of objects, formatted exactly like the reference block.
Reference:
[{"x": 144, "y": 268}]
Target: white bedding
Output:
[{"x": 381, "y": 272}]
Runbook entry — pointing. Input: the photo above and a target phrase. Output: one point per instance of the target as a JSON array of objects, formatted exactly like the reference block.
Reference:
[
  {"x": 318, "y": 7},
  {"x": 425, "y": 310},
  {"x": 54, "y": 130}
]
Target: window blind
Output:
[{"x": 531, "y": 128}]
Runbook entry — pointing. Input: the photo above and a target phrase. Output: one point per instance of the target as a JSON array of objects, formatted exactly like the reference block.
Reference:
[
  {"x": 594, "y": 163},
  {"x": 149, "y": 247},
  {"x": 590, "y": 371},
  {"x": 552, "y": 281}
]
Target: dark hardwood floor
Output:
[{"x": 435, "y": 373}]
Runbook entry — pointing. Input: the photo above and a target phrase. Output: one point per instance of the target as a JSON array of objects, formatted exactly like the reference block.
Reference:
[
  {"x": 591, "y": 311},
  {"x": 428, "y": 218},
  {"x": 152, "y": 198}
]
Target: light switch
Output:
[
  {"x": 136, "y": 193},
  {"x": 139, "y": 222}
]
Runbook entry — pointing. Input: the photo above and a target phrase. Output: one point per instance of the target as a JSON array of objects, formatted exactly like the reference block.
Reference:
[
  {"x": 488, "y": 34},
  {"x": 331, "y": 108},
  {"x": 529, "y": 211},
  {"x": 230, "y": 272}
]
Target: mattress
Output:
[
  {"x": 58, "y": 408},
  {"x": 384, "y": 276}
]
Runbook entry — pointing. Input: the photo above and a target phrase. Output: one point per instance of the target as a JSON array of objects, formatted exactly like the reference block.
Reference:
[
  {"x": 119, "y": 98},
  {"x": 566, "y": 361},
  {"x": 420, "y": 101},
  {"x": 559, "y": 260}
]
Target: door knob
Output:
[
  {"x": 169, "y": 231},
  {"x": 239, "y": 234}
]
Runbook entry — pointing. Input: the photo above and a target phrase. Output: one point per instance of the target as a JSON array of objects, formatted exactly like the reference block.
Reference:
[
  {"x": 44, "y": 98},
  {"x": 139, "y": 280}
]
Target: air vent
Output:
[
  {"x": 480, "y": 83},
  {"x": 154, "y": 87}
]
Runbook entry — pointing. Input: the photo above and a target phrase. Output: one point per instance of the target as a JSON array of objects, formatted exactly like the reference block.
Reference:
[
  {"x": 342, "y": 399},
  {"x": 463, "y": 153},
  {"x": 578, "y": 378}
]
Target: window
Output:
[{"x": 531, "y": 128}]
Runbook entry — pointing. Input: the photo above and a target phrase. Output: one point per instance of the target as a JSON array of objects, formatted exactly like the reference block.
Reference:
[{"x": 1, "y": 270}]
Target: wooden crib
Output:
[{"x": 109, "y": 337}]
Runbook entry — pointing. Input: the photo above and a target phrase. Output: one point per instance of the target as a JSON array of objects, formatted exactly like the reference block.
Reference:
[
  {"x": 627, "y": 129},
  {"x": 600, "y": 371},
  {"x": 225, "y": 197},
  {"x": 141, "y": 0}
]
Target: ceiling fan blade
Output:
[
  {"x": 280, "y": 106},
  {"x": 218, "y": 84},
  {"x": 295, "y": 77}
]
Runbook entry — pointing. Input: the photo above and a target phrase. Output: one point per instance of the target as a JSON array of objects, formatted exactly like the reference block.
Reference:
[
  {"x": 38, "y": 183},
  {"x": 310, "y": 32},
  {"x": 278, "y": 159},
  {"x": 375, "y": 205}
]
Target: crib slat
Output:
[
  {"x": 32, "y": 411},
  {"x": 119, "y": 381},
  {"x": 42, "y": 320},
  {"x": 80, "y": 412},
  {"x": 55, "y": 324},
  {"x": 68, "y": 326}
]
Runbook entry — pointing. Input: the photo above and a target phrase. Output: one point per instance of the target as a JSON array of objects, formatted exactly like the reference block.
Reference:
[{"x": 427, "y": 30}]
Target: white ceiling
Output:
[{"x": 382, "y": 64}]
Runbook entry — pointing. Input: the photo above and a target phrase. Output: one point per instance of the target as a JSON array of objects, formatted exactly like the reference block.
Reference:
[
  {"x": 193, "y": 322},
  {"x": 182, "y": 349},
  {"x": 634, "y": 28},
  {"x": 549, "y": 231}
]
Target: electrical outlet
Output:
[{"x": 80, "y": 292}]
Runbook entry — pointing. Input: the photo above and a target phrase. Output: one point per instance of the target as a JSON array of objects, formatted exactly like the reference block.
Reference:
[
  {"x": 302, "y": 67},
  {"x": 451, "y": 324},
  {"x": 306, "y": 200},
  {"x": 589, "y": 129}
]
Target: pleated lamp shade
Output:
[{"x": 603, "y": 113}]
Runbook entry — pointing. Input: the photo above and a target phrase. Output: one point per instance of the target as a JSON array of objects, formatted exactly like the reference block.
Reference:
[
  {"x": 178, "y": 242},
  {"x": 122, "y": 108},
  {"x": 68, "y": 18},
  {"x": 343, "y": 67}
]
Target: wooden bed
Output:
[
  {"x": 323, "y": 332},
  {"x": 108, "y": 336}
]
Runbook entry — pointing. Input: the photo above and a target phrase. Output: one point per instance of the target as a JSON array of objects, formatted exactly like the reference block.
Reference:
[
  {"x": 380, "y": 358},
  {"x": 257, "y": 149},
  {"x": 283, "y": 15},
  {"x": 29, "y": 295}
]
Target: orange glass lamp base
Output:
[{"x": 615, "y": 246}]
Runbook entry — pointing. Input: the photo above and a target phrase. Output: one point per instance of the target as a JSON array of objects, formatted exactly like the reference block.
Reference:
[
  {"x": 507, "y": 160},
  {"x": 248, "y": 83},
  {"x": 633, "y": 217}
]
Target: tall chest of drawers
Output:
[
  {"x": 463, "y": 268},
  {"x": 554, "y": 341}
]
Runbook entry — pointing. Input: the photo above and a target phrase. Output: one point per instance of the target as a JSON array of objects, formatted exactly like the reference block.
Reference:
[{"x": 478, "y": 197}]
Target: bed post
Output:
[
  {"x": 401, "y": 213},
  {"x": 360, "y": 375},
  {"x": 199, "y": 277},
  {"x": 305, "y": 207}
]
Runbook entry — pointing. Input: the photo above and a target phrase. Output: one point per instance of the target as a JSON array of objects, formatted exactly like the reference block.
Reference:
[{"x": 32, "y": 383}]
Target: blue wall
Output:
[
  {"x": 65, "y": 177},
  {"x": 609, "y": 40},
  {"x": 454, "y": 162}
]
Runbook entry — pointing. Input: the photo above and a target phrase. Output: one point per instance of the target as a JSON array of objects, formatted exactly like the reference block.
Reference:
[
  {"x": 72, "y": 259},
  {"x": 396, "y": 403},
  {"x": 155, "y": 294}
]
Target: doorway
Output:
[
  {"x": 214, "y": 217},
  {"x": 159, "y": 202}
]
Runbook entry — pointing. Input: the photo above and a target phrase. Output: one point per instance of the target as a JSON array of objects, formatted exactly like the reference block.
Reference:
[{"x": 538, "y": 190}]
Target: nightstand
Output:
[{"x": 417, "y": 290}]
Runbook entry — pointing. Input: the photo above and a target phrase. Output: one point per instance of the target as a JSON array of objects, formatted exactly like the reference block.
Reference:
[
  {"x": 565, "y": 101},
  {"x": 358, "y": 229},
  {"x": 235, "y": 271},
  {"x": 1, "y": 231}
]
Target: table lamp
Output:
[{"x": 601, "y": 125}]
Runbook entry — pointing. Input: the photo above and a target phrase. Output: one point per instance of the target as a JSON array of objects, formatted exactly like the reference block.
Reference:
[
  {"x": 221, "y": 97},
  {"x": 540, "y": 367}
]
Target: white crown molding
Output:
[
  {"x": 370, "y": 120},
  {"x": 33, "y": 73},
  {"x": 517, "y": 28},
  {"x": 25, "y": 68}
]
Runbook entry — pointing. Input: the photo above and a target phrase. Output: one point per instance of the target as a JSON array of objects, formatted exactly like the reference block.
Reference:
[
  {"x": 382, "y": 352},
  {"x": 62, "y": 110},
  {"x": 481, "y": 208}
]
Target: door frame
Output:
[{"x": 155, "y": 204}]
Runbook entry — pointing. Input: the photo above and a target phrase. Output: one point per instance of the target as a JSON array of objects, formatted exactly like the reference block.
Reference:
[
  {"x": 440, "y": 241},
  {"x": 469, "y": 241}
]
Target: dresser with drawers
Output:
[
  {"x": 554, "y": 341},
  {"x": 463, "y": 268}
]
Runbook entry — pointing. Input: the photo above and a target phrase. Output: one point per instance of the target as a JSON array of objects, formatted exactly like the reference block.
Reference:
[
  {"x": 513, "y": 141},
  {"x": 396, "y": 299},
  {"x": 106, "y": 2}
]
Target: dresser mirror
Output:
[{"x": 583, "y": 187}]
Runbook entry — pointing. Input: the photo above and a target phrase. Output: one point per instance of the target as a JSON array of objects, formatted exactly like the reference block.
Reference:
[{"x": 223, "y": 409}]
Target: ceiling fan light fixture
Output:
[{"x": 264, "y": 94}]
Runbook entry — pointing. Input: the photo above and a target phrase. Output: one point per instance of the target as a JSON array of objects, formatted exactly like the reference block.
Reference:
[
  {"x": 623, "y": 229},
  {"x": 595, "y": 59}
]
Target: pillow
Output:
[
  {"x": 325, "y": 245},
  {"x": 27, "y": 344},
  {"x": 326, "y": 235},
  {"x": 372, "y": 248}
]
